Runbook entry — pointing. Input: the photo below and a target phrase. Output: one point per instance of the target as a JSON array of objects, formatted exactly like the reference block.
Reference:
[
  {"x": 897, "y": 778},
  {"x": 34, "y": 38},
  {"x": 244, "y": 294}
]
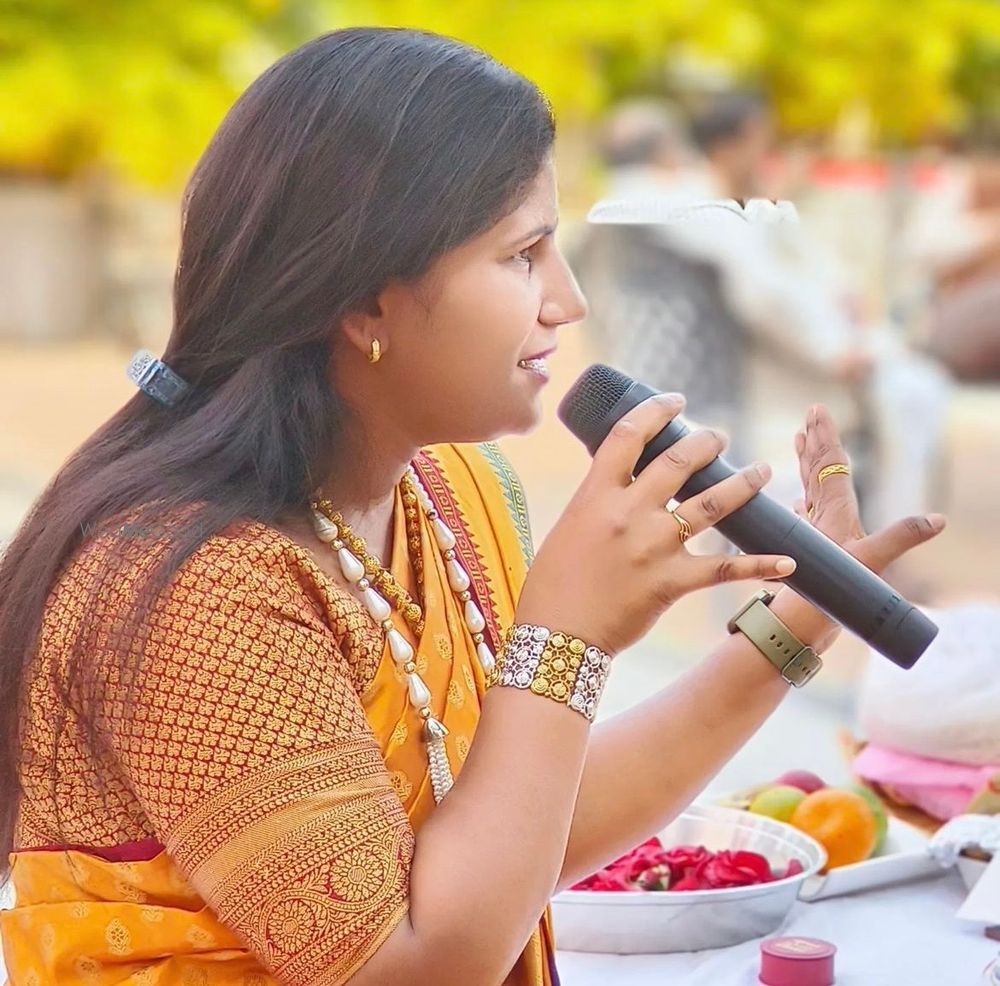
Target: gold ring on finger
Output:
[
  {"x": 836, "y": 469},
  {"x": 685, "y": 531}
]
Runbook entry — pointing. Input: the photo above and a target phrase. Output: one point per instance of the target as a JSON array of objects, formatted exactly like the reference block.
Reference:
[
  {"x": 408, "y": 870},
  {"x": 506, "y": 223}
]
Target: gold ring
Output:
[
  {"x": 837, "y": 469},
  {"x": 685, "y": 528}
]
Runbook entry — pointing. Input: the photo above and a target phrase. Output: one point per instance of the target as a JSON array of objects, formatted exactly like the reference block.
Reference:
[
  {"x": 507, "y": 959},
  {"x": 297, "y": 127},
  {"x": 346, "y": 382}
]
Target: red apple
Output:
[{"x": 803, "y": 780}]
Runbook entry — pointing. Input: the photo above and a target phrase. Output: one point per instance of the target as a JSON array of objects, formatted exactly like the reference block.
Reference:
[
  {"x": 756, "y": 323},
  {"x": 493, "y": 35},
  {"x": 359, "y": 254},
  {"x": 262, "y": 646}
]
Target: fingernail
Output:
[
  {"x": 762, "y": 469},
  {"x": 786, "y": 566},
  {"x": 670, "y": 398},
  {"x": 937, "y": 521}
]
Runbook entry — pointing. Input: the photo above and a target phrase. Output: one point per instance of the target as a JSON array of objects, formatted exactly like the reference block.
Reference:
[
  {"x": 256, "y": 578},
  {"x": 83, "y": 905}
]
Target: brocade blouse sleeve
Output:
[{"x": 248, "y": 749}]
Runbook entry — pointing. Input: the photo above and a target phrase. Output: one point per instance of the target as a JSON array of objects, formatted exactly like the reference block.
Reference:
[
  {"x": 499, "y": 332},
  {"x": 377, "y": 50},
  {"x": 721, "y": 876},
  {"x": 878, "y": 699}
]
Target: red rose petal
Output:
[
  {"x": 794, "y": 867},
  {"x": 650, "y": 867}
]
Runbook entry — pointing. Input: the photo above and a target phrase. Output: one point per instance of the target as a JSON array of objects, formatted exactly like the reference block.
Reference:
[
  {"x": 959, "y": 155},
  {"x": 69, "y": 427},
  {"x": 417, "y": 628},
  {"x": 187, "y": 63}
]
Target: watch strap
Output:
[{"x": 796, "y": 661}]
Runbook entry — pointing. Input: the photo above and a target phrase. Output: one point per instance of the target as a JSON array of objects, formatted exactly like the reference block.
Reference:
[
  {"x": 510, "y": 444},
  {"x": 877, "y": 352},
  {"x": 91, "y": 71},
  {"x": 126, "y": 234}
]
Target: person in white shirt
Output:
[{"x": 791, "y": 331}]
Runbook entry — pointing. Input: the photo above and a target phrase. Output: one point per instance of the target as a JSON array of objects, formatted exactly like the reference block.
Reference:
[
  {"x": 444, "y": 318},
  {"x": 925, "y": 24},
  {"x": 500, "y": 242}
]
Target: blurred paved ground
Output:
[{"x": 52, "y": 398}]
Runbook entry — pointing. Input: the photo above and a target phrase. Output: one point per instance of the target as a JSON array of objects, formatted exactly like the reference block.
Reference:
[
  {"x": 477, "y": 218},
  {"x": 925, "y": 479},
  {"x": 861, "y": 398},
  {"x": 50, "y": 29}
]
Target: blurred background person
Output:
[
  {"x": 734, "y": 133},
  {"x": 954, "y": 244},
  {"x": 754, "y": 320},
  {"x": 657, "y": 310}
]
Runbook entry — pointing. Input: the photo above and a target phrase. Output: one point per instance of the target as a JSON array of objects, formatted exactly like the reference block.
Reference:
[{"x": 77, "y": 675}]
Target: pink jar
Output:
[{"x": 796, "y": 961}]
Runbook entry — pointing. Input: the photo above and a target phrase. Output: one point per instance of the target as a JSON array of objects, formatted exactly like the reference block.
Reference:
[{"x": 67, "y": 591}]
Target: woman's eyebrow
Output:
[{"x": 538, "y": 231}]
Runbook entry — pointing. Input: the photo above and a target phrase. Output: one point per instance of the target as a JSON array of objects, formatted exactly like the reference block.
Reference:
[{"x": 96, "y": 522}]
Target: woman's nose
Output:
[{"x": 569, "y": 306}]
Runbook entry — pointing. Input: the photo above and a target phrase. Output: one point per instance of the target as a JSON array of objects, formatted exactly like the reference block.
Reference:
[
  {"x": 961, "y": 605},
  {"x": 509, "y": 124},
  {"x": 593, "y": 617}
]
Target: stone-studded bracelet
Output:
[{"x": 553, "y": 664}]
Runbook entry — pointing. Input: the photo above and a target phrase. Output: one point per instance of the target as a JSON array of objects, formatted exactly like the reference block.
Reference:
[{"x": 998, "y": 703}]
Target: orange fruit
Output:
[{"x": 841, "y": 821}]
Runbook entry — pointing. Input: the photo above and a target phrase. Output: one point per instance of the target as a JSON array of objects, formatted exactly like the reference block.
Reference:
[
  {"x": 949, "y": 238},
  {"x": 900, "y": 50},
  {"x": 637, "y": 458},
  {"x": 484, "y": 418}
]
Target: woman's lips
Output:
[{"x": 535, "y": 365}]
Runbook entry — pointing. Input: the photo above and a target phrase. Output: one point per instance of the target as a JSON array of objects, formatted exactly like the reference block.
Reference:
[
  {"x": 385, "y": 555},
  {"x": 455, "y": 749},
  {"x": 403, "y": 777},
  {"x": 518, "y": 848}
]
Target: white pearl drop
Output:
[
  {"x": 442, "y": 534},
  {"x": 399, "y": 646},
  {"x": 473, "y": 618},
  {"x": 486, "y": 658},
  {"x": 376, "y": 605},
  {"x": 422, "y": 495},
  {"x": 326, "y": 530},
  {"x": 458, "y": 579},
  {"x": 352, "y": 568},
  {"x": 420, "y": 694}
]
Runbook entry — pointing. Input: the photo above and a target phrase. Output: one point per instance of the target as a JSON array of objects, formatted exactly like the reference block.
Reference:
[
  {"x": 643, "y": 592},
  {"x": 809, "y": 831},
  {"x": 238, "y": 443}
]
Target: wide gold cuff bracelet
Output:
[{"x": 553, "y": 664}]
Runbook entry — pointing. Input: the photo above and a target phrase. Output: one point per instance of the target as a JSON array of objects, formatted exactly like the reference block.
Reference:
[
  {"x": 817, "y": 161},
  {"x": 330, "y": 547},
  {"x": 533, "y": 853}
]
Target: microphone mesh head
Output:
[{"x": 584, "y": 409}]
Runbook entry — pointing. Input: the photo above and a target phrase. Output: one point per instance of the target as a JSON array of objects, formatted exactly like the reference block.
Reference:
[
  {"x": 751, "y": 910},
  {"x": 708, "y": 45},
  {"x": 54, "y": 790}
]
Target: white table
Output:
[{"x": 905, "y": 935}]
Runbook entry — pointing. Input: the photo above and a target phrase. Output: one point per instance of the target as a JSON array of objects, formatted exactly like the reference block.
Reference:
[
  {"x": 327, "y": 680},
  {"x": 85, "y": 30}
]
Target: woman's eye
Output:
[{"x": 523, "y": 257}]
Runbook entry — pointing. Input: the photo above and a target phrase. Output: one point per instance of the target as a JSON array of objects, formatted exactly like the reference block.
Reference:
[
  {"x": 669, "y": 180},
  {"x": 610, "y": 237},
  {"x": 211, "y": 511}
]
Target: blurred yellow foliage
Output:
[{"x": 138, "y": 86}]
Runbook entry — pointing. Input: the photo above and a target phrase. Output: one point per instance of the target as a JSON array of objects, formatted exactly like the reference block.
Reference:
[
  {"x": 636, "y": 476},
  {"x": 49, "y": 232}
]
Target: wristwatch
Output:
[{"x": 796, "y": 661}]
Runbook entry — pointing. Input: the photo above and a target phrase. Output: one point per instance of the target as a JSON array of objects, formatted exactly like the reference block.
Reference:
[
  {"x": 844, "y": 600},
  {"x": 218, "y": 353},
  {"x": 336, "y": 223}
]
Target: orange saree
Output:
[{"x": 260, "y": 799}]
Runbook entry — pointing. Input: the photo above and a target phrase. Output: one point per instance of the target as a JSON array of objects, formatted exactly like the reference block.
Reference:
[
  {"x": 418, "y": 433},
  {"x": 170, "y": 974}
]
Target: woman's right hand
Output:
[{"x": 614, "y": 561}]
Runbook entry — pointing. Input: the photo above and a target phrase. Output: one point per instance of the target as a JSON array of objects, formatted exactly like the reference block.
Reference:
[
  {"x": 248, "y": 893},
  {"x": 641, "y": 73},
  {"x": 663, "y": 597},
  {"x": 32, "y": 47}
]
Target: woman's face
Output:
[{"x": 458, "y": 344}]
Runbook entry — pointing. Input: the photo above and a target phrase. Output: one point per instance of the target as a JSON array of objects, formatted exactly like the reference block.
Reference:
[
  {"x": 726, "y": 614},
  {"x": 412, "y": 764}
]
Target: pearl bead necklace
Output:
[{"x": 402, "y": 653}]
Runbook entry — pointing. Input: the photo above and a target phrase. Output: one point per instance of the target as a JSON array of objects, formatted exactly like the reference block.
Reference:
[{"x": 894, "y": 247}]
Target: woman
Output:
[{"x": 229, "y": 726}]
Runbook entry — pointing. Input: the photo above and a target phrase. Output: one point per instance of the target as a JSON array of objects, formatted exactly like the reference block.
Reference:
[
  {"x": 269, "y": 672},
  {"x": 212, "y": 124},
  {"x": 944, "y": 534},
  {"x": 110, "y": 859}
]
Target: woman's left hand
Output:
[{"x": 831, "y": 505}]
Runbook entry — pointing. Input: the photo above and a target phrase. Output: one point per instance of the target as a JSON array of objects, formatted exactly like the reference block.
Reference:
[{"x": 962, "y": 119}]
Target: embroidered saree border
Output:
[{"x": 513, "y": 492}]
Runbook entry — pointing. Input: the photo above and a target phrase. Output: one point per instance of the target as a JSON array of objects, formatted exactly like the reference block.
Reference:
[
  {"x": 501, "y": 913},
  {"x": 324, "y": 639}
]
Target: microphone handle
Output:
[{"x": 828, "y": 576}]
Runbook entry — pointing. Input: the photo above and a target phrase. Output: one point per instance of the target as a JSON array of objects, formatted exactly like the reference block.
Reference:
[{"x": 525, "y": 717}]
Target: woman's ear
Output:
[{"x": 365, "y": 324}]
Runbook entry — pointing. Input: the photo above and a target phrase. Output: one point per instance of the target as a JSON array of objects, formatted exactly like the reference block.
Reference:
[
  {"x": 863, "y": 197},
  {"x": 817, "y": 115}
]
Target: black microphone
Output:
[{"x": 828, "y": 576}]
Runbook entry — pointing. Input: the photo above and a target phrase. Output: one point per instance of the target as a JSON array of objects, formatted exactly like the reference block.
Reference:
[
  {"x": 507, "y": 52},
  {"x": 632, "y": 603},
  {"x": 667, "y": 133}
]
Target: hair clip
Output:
[{"x": 155, "y": 378}]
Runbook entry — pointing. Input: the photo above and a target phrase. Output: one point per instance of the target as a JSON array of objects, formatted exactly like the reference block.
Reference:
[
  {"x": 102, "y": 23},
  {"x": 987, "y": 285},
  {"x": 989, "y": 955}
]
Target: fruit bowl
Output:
[
  {"x": 690, "y": 920},
  {"x": 900, "y": 851}
]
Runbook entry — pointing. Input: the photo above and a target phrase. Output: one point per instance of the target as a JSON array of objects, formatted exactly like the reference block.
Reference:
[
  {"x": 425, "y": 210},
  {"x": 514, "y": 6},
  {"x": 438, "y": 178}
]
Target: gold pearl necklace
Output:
[
  {"x": 375, "y": 571},
  {"x": 364, "y": 572}
]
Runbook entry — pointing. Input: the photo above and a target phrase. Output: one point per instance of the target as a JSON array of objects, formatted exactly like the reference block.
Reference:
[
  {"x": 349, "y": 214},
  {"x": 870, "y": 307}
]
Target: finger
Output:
[
  {"x": 715, "y": 569},
  {"x": 672, "y": 468},
  {"x": 615, "y": 458},
  {"x": 800, "y": 449},
  {"x": 719, "y": 501},
  {"x": 823, "y": 448},
  {"x": 880, "y": 549}
]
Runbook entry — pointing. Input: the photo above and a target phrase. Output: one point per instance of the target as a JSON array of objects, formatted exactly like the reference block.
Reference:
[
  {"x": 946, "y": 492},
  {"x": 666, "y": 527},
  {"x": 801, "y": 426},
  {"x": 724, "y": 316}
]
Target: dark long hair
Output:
[{"x": 356, "y": 159}]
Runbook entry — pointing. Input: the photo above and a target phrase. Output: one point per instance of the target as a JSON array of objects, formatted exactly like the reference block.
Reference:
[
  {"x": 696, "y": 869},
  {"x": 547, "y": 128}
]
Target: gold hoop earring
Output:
[{"x": 376, "y": 351}]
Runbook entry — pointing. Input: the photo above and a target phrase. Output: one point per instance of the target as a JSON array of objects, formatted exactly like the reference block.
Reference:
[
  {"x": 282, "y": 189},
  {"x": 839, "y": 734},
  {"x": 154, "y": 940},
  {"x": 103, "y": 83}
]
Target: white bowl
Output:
[{"x": 689, "y": 920}]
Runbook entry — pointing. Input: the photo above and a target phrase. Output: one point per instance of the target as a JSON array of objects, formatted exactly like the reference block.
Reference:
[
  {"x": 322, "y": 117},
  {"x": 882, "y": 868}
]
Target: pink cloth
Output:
[{"x": 942, "y": 788}]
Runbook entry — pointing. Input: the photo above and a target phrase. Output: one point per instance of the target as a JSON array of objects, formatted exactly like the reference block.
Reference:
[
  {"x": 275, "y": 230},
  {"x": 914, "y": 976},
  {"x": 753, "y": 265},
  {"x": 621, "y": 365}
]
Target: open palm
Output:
[{"x": 831, "y": 505}]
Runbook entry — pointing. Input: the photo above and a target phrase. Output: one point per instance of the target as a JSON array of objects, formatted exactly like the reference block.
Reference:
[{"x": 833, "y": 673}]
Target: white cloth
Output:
[
  {"x": 905, "y": 935},
  {"x": 945, "y": 706},
  {"x": 965, "y": 832}
]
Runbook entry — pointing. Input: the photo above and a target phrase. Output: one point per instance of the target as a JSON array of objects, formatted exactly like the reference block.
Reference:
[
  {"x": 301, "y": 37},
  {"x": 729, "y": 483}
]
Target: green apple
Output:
[
  {"x": 878, "y": 809},
  {"x": 777, "y": 802}
]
